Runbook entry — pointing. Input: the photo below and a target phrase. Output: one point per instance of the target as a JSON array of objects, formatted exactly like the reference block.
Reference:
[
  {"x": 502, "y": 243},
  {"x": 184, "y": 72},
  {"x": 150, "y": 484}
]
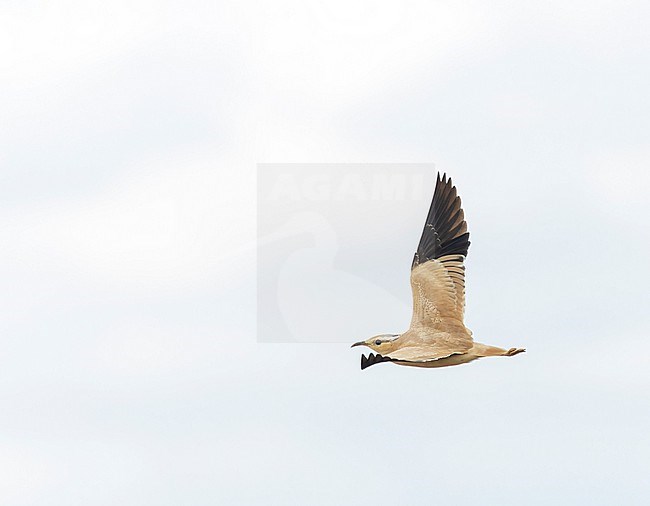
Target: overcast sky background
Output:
[{"x": 130, "y": 368}]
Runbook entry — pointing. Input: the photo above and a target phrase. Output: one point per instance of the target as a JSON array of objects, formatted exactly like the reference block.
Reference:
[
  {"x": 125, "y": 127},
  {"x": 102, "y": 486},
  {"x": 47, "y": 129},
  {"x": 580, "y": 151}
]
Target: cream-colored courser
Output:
[{"x": 437, "y": 336}]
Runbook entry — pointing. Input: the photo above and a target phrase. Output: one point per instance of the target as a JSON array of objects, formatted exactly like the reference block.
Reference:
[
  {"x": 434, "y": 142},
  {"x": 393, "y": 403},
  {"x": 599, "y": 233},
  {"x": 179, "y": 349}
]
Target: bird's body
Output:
[{"x": 437, "y": 336}]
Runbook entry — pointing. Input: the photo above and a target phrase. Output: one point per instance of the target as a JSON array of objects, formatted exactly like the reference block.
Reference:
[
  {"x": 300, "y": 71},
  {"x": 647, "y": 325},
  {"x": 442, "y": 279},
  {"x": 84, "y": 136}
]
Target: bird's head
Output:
[{"x": 382, "y": 344}]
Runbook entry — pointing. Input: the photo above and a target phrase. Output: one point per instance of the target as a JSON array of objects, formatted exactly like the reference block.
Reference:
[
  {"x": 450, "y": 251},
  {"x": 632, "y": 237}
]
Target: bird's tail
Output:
[{"x": 484, "y": 350}]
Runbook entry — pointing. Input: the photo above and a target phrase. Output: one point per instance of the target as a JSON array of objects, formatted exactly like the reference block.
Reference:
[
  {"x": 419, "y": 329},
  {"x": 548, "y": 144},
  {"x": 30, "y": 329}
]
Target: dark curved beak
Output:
[{"x": 360, "y": 343}]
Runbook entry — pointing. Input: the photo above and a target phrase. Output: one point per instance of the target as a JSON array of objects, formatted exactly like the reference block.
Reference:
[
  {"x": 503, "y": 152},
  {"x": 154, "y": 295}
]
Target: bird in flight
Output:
[{"x": 437, "y": 336}]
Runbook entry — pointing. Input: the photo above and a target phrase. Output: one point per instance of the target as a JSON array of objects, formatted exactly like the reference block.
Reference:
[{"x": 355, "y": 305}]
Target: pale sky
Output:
[{"x": 131, "y": 371}]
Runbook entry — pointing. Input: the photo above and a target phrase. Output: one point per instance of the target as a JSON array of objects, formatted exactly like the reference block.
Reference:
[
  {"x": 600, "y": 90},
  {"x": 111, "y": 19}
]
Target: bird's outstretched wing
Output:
[{"x": 437, "y": 271}]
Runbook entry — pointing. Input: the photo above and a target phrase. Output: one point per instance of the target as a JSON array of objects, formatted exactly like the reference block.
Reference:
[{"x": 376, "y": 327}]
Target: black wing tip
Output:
[
  {"x": 373, "y": 359},
  {"x": 445, "y": 230}
]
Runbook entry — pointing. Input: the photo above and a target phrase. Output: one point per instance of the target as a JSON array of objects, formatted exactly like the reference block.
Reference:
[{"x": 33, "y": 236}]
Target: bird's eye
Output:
[{"x": 377, "y": 342}]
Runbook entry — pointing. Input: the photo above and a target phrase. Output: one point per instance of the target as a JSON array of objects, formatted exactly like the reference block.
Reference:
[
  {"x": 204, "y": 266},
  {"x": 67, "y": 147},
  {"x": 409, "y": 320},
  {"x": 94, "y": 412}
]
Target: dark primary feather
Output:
[
  {"x": 445, "y": 231},
  {"x": 373, "y": 359}
]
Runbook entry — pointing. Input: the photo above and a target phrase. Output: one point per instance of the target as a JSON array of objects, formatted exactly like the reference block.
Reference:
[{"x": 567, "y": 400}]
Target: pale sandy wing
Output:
[
  {"x": 438, "y": 288},
  {"x": 426, "y": 353}
]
